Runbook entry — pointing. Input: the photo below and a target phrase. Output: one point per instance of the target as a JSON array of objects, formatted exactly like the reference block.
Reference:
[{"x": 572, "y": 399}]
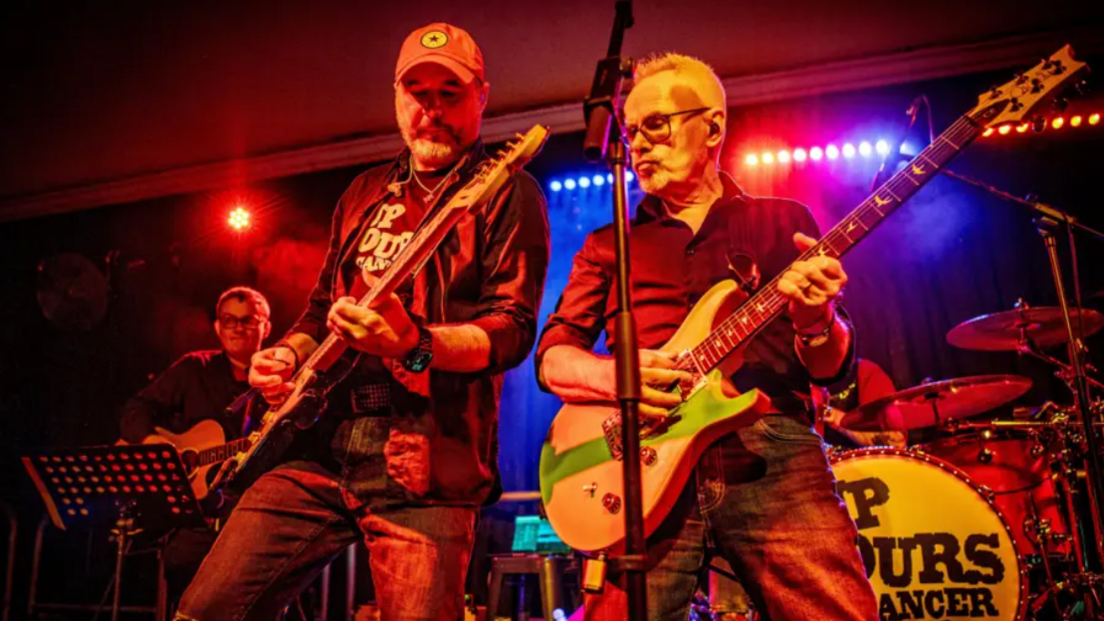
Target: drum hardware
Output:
[{"x": 1031, "y": 331}]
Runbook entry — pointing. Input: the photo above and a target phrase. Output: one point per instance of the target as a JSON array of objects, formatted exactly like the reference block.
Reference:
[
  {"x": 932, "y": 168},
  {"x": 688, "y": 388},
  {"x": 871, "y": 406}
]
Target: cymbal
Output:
[
  {"x": 929, "y": 405},
  {"x": 1043, "y": 325}
]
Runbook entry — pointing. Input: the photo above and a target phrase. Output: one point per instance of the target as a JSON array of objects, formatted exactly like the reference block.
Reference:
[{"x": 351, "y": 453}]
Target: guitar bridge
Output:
[{"x": 611, "y": 428}]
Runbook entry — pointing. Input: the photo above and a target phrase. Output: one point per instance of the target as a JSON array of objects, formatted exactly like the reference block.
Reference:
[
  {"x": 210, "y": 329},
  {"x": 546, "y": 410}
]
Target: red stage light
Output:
[
  {"x": 1058, "y": 122},
  {"x": 1022, "y": 128},
  {"x": 1094, "y": 118},
  {"x": 751, "y": 159},
  {"x": 767, "y": 158},
  {"x": 988, "y": 132},
  {"x": 1075, "y": 121},
  {"x": 239, "y": 219},
  {"x": 783, "y": 157},
  {"x": 1004, "y": 129},
  {"x": 799, "y": 155},
  {"x": 816, "y": 153}
]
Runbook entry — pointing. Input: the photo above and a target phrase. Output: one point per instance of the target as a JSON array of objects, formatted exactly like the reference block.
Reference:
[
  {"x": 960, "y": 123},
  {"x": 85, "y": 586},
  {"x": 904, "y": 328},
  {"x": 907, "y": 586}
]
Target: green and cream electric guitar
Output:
[{"x": 580, "y": 473}]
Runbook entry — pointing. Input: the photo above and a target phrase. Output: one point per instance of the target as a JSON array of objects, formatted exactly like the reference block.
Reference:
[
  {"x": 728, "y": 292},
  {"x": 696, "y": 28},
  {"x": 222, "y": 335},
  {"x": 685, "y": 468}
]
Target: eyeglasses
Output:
[
  {"x": 657, "y": 127},
  {"x": 250, "y": 322}
]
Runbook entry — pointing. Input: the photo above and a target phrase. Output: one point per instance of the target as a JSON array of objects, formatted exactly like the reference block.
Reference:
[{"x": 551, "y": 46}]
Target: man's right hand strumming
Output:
[
  {"x": 270, "y": 371},
  {"x": 576, "y": 375}
]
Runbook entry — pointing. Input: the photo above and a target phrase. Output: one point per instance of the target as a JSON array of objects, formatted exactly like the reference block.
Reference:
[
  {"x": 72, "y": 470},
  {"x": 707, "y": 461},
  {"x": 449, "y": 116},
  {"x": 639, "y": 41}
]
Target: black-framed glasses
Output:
[
  {"x": 249, "y": 322},
  {"x": 656, "y": 127}
]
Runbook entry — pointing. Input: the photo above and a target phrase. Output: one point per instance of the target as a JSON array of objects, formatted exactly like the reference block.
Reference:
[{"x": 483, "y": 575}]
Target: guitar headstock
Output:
[
  {"x": 494, "y": 172},
  {"x": 1021, "y": 97}
]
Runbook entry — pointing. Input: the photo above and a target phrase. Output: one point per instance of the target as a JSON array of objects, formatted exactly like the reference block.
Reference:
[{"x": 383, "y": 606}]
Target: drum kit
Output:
[{"x": 994, "y": 519}]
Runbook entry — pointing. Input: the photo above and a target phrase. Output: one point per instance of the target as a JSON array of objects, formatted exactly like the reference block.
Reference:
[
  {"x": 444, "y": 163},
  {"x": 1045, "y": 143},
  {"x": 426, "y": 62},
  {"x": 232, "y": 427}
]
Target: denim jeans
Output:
[
  {"x": 293, "y": 521},
  {"x": 764, "y": 499}
]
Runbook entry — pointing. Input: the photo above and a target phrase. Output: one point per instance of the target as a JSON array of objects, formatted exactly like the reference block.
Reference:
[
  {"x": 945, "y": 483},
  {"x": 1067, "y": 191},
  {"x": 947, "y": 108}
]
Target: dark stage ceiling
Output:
[{"x": 96, "y": 92}]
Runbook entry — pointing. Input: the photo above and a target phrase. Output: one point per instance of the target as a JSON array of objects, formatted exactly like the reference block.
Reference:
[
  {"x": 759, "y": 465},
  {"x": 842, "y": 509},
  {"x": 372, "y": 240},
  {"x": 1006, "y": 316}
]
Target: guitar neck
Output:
[
  {"x": 222, "y": 452},
  {"x": 768, "y": 302},
  {"x": 408, "y": 262}
]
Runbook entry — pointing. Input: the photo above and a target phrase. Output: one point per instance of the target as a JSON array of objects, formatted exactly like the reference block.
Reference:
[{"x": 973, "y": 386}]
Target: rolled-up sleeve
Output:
[
  {"x": 580, "y": 314},
  {"x": 515, "y": 262}
]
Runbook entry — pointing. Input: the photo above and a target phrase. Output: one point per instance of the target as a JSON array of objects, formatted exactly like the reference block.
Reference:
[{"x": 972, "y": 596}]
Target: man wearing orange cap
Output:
[{"x": 405, "y": 451}]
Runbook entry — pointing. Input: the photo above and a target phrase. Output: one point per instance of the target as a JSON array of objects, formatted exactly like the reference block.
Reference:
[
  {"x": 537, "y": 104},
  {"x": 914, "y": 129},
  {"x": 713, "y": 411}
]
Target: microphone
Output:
[{"x": 895, "y": 153}]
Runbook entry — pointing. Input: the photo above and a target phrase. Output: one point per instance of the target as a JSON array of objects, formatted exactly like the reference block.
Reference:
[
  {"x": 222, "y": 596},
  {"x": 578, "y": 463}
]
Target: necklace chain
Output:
[{"x": 430, "y": 193}]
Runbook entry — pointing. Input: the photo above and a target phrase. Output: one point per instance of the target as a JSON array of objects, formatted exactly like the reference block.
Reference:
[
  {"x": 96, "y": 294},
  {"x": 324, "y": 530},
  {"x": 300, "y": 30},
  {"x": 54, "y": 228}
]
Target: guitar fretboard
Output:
[
  {"x": 222, "y": 452},
  {"x": 768, "y": 302}
]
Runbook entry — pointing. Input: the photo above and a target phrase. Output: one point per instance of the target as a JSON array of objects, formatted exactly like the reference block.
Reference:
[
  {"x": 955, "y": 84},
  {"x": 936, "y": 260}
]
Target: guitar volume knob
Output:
[
  {"x": 612, "y": 503},
  {"x": 648, "y": 456}
]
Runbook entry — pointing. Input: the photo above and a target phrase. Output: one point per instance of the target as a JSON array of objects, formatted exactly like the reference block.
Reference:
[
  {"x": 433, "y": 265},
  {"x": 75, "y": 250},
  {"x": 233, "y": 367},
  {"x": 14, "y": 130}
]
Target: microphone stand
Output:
[
  {"x": 1047, "y": 221},
  {"x": 600, "y": 143}
]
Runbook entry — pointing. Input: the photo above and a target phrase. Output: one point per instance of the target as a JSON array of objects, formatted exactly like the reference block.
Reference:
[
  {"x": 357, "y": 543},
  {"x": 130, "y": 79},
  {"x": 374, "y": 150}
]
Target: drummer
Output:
[{"x": 867, "y": 384}]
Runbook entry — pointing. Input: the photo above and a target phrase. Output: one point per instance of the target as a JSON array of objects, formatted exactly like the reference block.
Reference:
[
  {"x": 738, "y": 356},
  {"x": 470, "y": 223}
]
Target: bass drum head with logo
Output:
[{"x": 934, "y": 547}]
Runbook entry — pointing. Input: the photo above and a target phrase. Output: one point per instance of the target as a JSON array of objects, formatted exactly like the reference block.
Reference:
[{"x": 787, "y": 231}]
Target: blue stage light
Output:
[
  {"x": 865, "y": 149},
  {"x": 848, "y": 150},
  {"x": 832, "y": 152},
  {"x": 882, "y": 147},
  {"x": 629, "y": 176},
  {"x": 569, "y": 184},
  {"x": 555, "y": 186},
  {"x": 584, "y": 182},
  {"x": 598, "y": 180}
]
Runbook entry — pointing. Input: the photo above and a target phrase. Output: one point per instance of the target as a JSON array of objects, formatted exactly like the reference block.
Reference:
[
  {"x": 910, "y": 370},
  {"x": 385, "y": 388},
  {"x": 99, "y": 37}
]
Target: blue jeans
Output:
[
  {"x": 292, "y": 522},
  {"x": 764, "y": 498}
]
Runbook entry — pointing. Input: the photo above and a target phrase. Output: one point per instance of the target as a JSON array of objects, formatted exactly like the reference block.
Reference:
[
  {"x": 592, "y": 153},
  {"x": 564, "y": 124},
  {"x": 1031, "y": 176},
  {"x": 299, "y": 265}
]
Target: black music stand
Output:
[{"x": 125, "y": 485}]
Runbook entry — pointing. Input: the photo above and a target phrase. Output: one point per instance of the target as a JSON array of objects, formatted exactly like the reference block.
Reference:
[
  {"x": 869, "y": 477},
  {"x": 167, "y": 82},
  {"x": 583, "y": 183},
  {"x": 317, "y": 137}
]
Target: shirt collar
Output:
[
  {"x": 651, "y": 208},
  {"x": 402, "y": 172}
]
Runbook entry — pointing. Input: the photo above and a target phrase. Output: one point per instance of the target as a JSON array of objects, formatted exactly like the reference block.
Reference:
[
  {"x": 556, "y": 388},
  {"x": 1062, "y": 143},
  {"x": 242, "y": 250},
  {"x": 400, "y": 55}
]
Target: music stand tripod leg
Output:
[{"x": 122, "y": 540}]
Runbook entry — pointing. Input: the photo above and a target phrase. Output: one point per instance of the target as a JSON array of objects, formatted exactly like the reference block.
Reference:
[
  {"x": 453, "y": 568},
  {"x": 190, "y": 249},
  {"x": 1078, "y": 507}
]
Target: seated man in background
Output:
[{"x": 200, "y": 386}]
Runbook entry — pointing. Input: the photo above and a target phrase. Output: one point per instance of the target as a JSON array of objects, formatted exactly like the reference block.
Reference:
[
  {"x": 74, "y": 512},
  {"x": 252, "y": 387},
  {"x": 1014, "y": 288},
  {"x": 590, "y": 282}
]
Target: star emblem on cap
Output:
[{"x": 434, "y": 39}]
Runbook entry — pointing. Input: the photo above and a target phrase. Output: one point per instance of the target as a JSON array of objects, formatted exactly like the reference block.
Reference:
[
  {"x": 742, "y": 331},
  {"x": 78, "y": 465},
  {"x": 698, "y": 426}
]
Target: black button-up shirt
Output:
[{"x": 672, "y": 268}]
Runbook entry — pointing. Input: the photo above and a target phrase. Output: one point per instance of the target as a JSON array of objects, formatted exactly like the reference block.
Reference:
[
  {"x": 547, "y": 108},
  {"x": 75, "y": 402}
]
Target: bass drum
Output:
[{"x": 934, "y": 546}]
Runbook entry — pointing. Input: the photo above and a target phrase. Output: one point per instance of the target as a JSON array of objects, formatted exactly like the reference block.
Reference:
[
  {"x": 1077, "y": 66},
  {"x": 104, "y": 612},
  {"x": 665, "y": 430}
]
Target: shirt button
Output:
[{"x": 689, "y": 251}]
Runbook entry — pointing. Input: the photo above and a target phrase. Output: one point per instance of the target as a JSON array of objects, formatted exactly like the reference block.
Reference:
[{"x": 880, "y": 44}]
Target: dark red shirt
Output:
[{"x": 672, "y": 268}]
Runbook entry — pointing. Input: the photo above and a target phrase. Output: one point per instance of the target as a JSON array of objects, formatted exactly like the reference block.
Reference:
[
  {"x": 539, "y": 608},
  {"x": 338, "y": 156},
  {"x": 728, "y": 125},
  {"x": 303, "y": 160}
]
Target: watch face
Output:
[{"x": 420, "y": 362}]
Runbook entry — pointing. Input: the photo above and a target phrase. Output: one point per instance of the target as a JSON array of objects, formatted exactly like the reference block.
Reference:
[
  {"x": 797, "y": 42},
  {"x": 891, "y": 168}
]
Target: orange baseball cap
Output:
[{"x": 446, "y": 45}]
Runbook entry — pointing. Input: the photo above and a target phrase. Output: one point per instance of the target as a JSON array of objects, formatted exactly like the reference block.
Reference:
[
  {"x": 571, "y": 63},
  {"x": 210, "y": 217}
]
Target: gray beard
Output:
[
  {"x": 654, "y": 184},
  {"x": 431, "y": 153}
]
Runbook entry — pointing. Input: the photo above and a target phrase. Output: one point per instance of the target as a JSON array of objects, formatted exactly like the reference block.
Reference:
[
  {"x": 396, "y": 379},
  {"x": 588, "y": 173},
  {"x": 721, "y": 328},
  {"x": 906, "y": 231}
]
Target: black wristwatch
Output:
[{"x": 419, "y": 358}]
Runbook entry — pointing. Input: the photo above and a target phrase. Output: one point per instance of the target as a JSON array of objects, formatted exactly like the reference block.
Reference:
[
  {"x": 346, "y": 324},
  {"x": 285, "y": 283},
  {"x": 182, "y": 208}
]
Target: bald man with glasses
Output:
[{"x": 762, "y": 497}]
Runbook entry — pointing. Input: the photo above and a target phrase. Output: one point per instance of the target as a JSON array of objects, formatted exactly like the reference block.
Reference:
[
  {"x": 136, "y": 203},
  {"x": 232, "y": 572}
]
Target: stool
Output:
[{"x": 550, "y": 570}]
